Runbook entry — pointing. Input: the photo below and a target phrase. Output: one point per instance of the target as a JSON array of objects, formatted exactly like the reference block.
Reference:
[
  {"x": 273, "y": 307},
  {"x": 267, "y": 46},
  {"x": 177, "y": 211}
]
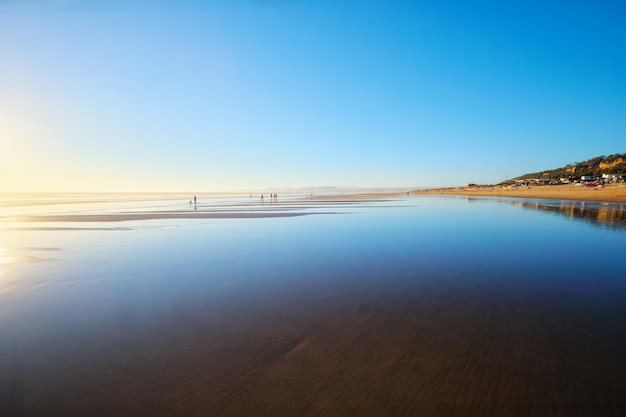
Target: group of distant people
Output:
[{"x": 273, "y": 198}]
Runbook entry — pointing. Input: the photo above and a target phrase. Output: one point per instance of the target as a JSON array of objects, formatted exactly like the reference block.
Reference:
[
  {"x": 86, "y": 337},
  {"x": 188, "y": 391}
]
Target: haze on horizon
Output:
[{"x": 183, "y": 95}]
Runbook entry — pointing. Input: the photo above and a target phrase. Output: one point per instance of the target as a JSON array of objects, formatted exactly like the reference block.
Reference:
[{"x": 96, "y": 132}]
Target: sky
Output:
[{"x": 185, "y": 95}]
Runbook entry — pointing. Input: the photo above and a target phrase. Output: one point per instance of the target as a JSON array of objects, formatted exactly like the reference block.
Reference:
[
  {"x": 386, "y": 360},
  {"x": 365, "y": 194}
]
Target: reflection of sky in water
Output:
[{"x": 448, "y": 244}]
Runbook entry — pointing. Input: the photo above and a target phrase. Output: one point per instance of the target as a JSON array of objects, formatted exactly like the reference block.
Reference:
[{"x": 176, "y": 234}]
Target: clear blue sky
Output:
[{"x": 193, "y": 95}]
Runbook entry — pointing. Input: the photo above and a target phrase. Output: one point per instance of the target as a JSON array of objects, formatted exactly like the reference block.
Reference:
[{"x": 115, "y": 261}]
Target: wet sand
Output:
[
  {"x": 207, "y": 209},
  {"x": 610, "y": 193},
  {"x": 372, "y": 345},
  {"x": 121, "y": 217},
  {"x": 329, "y": 349}
]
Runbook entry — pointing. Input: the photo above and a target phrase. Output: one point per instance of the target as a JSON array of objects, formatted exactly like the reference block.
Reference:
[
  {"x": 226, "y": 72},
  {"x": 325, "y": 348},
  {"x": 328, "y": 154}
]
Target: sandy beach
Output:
[
  {"x": 610, "y": 193},
  {"x": 369, "y": 305}
]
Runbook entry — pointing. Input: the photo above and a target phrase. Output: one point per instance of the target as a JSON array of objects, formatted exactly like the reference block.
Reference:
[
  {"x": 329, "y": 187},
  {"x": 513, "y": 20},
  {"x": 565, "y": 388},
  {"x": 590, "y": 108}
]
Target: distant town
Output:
[
  {"x": 594, "y": 172},
  {"x": 583, "y": 180}
]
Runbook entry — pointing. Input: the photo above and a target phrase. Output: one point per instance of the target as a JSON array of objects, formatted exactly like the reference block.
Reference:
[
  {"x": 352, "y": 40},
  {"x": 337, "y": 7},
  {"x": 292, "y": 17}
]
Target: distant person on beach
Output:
[{"x": 194, "y": 200}]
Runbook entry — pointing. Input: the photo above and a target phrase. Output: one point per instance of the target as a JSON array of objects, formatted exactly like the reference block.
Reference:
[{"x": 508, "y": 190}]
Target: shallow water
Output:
[{"x": 422, "y": 305}]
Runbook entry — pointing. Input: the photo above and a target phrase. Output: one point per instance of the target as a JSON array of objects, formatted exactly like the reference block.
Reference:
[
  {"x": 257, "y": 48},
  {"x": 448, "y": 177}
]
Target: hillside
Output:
[{"x": 612, "y": 164}]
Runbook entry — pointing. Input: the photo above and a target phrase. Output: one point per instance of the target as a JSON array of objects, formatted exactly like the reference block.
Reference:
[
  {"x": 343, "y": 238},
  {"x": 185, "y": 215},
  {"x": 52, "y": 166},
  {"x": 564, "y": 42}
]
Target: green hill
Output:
[{"x": 612, "y": 164}]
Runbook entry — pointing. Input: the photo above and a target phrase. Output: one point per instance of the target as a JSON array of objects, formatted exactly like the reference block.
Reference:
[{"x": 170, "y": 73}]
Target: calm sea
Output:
[{"x": 420, "y": 305}]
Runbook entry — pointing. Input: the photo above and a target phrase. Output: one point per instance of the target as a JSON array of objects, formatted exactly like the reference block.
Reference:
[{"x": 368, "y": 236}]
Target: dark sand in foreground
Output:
[{"x": 324, "y": 349}]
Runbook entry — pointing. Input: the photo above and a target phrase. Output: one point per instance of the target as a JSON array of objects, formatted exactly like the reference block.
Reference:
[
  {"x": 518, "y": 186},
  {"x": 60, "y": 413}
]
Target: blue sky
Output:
[{"x": 217, "y": 95}]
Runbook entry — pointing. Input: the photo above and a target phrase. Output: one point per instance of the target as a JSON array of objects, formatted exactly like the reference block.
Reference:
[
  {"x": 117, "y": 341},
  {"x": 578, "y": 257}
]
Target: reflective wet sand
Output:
[{"x": 361, "y": 317}]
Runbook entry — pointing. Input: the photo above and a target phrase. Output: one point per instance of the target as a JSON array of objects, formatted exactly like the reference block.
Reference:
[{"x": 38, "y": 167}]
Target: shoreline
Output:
[{"x": 610, "y": 193}]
